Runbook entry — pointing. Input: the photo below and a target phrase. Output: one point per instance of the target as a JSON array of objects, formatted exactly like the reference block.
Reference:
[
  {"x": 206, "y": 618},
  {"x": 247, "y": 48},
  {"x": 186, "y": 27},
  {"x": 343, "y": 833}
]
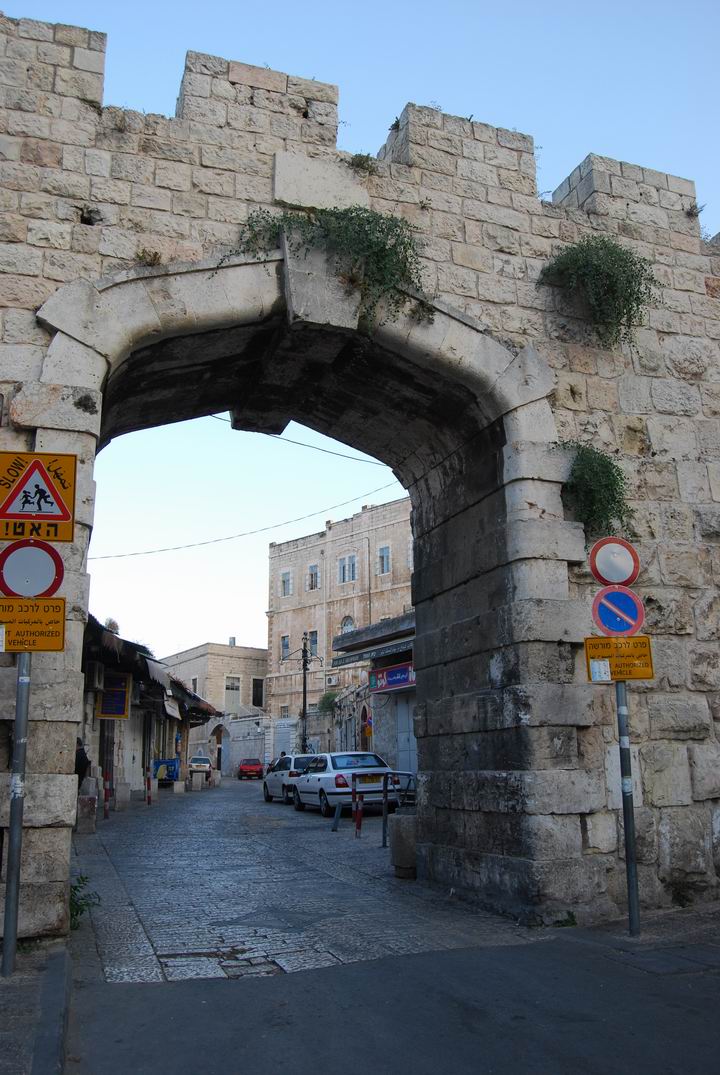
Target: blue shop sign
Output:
[{"x": 394, "y": 678}]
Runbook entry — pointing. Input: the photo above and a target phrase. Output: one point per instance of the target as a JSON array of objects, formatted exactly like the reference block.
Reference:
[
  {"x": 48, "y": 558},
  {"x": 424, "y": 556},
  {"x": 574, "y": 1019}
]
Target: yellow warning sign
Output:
[
  {"x": 36, "y": 624},
  {"x": 37, "y": 496},
  {"x": 612, "y": 659}
]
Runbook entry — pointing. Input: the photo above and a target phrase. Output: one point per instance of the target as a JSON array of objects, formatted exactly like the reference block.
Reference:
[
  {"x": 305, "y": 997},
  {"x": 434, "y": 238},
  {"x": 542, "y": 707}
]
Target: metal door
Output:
[{"x": 406, "y": 742}]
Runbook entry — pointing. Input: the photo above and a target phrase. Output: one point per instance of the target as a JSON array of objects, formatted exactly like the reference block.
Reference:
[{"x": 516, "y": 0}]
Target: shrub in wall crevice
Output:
[{"x": 614, "y": 285}]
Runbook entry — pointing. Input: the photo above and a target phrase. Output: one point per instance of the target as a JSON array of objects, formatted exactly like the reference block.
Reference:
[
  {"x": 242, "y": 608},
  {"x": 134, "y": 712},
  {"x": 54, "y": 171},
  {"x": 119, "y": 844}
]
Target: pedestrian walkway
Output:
[{"x": 223, "y": 885}]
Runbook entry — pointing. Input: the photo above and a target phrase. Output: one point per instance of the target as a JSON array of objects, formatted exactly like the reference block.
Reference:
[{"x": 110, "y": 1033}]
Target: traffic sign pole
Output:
[
  {"x": 628, "y": 809},
  {"x": 17, "y": 804}
]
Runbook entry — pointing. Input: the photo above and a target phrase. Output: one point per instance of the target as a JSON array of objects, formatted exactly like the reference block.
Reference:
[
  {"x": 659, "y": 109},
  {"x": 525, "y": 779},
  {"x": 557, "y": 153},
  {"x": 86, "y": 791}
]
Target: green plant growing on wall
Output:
[
  {"x": 377, "y": 252},
  {"x": 363, "y": 162},
  {"x": 614, "y": 285},
  {"x": 326, "y": 703},
  {"x": 596, "y": 489},
  {"x": 80, "y": 900}
]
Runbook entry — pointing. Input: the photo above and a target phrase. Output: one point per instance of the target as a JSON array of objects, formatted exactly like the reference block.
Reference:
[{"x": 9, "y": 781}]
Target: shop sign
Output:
[
  {"x": 396, "y": 677},
  {"x": 113, "y": 701}
]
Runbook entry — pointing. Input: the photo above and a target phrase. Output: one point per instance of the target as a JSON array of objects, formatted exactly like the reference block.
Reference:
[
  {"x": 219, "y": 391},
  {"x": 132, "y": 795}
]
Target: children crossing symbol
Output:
[{"x": 37, "y": 496}]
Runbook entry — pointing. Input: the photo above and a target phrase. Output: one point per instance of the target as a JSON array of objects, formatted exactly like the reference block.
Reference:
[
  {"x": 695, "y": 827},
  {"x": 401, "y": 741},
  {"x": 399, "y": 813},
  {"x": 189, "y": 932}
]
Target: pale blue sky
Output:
[{"x": 634, "y": 81}]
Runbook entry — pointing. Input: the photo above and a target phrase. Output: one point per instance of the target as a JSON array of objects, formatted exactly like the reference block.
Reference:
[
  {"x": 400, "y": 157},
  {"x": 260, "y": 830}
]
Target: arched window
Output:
[{"x": 348, "y": 624}]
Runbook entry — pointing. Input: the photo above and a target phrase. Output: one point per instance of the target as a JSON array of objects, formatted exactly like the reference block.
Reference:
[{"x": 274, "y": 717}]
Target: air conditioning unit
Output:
[
  {"x": 332, "y": 681},
  {"x": 94, "y": 676}
]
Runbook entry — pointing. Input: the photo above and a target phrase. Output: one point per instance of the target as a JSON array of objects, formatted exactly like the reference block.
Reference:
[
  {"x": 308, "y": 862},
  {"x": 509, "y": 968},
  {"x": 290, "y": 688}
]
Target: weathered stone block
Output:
[
  {"x": 50, "y": 799},
  {"x": 665, "y": 774},
  {"x": 43, "y": 909},
  {"x": 304, "y": 181},
  {"x": 599, "y": 833},
  {"x": 705, "y": 770},
  {"x": 86, "y": 813},
  {"x": 685, "y": 847},
  {"x": 679, "y": 716},
  {"x": 45, "y": 855}
]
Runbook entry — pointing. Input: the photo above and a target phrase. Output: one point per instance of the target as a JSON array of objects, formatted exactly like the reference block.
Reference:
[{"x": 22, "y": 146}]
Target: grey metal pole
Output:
[
  {"x": 17, "y": 803},
  {"x": 628, "y": 810},
  {"x": 305, "y": 666}
]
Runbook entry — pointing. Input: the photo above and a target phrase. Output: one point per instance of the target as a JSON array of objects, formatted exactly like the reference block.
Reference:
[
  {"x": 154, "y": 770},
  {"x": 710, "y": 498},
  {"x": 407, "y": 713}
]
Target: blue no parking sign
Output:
[{"x": 617, "y": 610}]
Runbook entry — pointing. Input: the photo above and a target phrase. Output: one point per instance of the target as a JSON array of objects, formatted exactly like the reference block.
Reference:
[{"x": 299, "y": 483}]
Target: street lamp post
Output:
[{"x": 306, "y": 658}]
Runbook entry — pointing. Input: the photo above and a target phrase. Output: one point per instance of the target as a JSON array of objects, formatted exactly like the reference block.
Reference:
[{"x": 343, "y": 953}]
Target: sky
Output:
[{"x": 632, "y": 81}]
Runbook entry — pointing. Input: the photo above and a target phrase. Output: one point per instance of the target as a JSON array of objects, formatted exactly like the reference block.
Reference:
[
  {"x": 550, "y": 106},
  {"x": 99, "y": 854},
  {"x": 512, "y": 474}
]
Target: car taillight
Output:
[
  {"x": 294, "y": 772},
  {"x": 341, "y": 782},
  {"x": 395, "y": 779}
]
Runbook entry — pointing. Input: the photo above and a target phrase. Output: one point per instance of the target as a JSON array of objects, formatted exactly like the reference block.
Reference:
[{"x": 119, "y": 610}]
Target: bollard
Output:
[
  {"x": 385, "y": 809},
  {"x": 148, "y": 785},
  {"x": 336, "y": 820},
  {"x": 359, "y": 815},
  {"x": 106, "y": 795}
]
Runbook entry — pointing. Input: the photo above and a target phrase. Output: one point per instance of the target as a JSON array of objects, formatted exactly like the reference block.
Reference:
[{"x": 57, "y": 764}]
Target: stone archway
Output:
[{"x": 466, "y": 426}]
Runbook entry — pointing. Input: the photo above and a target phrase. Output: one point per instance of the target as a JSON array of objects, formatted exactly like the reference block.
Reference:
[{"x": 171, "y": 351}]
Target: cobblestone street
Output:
[{"x": 221, "y": 884}]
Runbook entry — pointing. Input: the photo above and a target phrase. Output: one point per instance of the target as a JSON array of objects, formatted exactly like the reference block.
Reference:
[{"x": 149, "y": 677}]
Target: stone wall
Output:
[{"x": 519, "y": 797}]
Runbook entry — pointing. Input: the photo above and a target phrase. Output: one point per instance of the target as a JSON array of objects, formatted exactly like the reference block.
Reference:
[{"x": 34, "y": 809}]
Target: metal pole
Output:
[
  {"x": 628, "y": 810},
  {"x": 385, "y": 809},
  {"x": 17, "y": 804},
  {"x": 305, "y": 665}
]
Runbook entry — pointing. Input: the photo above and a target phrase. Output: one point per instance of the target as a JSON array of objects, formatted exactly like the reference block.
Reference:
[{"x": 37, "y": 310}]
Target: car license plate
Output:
[{"x": 369, "y": 779}]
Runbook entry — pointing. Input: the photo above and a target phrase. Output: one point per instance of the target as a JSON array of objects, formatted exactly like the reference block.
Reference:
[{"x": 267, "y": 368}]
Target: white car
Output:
[
  {"x": 327, "y": 781},
  {"x": 282, "y": 775}
]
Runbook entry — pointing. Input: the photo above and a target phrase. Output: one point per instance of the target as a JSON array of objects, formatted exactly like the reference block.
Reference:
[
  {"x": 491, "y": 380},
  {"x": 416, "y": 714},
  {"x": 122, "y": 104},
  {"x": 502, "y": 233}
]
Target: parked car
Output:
[
  {"x": 250, "y": 767},
  {"x": 282, "y": 774},
  {"x": 200, "y": 763},
  {"x": 328, "y": 781}
]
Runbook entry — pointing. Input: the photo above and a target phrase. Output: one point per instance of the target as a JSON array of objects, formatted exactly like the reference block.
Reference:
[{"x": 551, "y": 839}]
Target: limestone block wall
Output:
[{"x": 519, "y": 756}]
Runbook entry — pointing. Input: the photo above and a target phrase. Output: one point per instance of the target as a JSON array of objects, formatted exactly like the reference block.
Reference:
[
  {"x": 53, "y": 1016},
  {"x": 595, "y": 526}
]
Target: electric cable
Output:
[
  {"x": 315, "y": 447},
  {"x": 245, "y": 533}
]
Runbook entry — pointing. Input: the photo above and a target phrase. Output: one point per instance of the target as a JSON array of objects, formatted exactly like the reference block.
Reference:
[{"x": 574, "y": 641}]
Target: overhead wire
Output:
[
  {"x": 245, "y": 533},
  {"x": 315, "y": 447}
]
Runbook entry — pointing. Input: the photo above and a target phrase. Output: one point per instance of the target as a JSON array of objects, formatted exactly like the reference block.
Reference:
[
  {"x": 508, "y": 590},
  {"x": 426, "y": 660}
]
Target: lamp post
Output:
[{"x": 306, "y": 658}]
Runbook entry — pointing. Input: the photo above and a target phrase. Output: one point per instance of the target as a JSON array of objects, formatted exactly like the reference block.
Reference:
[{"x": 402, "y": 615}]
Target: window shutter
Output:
[
  {"x": 307, "y": 581},
  {"x": 290, "y": 590}
]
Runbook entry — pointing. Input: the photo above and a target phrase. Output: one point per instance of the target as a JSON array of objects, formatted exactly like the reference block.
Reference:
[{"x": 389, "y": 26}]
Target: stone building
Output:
[
  {"x": 232, "y": 678},
  {"x": 354, "y": 571},
  {"x": 125, "y": 304},
  {"x": 379, "y": 714}
]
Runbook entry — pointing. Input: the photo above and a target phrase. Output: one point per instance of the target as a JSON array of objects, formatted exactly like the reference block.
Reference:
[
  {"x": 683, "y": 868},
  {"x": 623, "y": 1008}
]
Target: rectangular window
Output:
[
  {"x": 284, "y": 710},
  {"x": 286, "y": 587},
  {"x": 347, "y": 568},
  {"x": 258, "y": 692},
  {"x": 193, "y": 684},
  {"x": 312, "y": 708},
  {"x": 312, "y": 643},
  {"x": 314, "y": 577},
  {"x": 384, "y": 560},
  {"x": 232, "y": 694},
  {"x": 284, "y": 646}
]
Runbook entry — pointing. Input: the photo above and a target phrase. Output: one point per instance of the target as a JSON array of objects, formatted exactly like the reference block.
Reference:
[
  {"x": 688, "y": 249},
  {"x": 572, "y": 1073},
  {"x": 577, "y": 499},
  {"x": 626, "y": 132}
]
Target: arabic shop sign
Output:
[{"x": 396, "y": 677}]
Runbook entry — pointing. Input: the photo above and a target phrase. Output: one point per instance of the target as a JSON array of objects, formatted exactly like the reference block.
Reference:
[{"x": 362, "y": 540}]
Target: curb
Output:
[{"x": 49, "y": 1048}]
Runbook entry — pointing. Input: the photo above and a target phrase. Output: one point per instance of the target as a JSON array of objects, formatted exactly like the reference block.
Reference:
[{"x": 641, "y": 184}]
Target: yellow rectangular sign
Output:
[
  {"x": 612, "y": 659},
  {"x": 35, "y": 624},
  {"x": 37, "y": 496}
]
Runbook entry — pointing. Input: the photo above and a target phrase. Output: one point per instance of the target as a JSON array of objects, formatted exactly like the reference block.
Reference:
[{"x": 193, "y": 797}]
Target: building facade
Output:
[
  {"x": 234, "y": 676},
  {"x": 230, "y": 677},
  {"x": 379, "y": 714},
  {"x": 354, "y": 572}
]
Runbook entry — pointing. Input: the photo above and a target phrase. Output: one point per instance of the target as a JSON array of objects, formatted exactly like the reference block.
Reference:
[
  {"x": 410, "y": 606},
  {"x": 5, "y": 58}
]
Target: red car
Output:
[{"x": 250, "y": 767}]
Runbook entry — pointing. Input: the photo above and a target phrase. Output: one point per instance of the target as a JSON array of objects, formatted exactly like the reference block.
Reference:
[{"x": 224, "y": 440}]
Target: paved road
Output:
[{"x": 219, "y": 885}]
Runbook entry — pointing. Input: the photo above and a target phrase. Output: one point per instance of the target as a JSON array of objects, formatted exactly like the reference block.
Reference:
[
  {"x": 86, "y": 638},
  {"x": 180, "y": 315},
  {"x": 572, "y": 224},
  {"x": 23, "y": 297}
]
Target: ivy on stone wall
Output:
[
  {"x": 596, "y": 489},
  {"x": 613, "y": 284},
  {"x": 377, "y": 252}
]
